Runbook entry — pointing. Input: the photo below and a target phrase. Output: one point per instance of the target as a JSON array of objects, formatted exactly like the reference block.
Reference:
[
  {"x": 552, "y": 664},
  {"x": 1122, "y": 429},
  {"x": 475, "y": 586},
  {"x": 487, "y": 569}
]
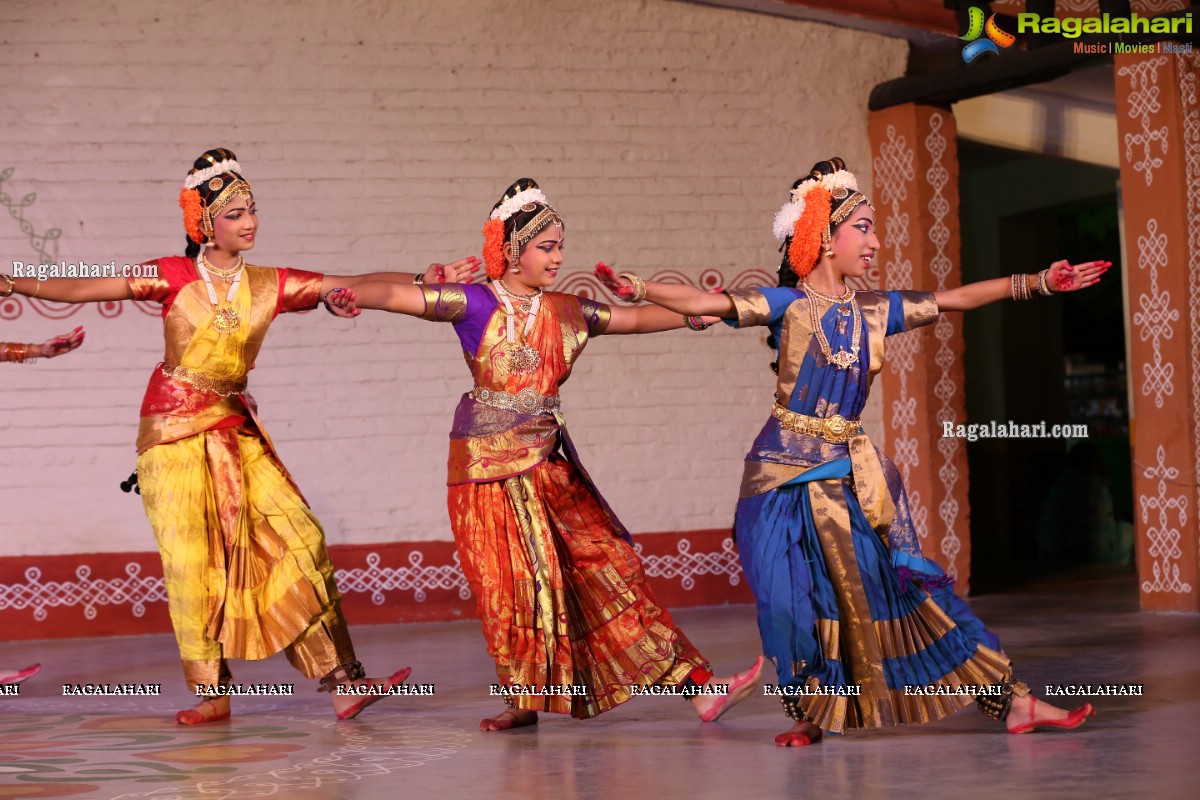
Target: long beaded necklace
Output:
[
  {"x": 522, "y": 358},
  {"x": 842, "y": 359},
  {"x": 225, "y": 320}
]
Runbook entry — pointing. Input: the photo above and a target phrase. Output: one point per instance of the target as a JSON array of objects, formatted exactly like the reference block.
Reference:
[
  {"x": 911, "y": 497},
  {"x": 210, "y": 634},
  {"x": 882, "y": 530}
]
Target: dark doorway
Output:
[{"x": 1041, "y": 505}]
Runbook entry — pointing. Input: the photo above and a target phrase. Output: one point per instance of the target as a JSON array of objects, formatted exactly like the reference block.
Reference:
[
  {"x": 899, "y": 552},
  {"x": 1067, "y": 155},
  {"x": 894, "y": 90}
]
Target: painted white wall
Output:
[{"x": 377, "y": 135}]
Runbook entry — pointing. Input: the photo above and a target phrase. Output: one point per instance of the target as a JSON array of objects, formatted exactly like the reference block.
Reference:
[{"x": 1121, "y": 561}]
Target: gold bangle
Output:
[
  {"x": 639, "y": 286},
  {"x": 1019, "y": 287},
  {"x": 1044, "y": 283},
  {"x": 37, "y": 287},
  {"x": 12, "y": 285}
]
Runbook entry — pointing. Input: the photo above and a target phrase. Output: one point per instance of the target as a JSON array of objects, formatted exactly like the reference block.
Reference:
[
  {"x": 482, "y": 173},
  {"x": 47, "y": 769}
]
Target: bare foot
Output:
[
  {"x": 1027, "y": 714},
  {"x": 509, "y": 718},
  {"x": 799, "y": 735},
  {"x": 8, "y": 676},
  {"x": 210, "y": 710},
  {"x": 351, "y": 704},
  {"x": 711, "y": 707}
]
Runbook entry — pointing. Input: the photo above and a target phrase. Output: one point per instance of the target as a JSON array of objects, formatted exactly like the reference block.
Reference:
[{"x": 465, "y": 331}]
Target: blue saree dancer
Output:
[
  {"x": 846, "y": 600},
  {"x": 863, "y": 629}
]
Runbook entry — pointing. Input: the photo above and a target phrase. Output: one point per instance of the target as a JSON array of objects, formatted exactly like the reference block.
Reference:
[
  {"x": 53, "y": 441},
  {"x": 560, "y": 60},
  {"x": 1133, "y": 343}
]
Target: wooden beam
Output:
[{"x": 1005, "y": 71}]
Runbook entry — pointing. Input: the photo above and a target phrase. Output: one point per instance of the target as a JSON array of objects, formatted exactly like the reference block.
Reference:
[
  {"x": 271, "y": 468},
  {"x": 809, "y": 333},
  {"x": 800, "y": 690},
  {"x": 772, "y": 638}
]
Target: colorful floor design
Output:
[
  {"x": 128, "y": 751},
  {"x": 414, "y": 748}
]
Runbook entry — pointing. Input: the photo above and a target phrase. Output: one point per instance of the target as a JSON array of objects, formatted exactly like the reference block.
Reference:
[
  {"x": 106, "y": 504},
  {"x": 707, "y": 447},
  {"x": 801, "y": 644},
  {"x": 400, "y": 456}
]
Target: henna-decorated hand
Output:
[
  {"x": 61, "y": 345},
  {"x": 619, "y": 286},
  {"x": 461, "y": 271},
  {"x": 1063, "y": 277},
  {"x": 341, "y": 303}
]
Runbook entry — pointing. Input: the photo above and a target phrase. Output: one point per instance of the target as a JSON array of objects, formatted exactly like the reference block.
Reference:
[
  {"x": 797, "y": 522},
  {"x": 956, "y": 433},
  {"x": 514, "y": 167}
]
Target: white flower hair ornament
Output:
[
  {"x": 839, "y": 184},
  {"x": 196, "y": 178},
  {"x": 513, "y": 204}
]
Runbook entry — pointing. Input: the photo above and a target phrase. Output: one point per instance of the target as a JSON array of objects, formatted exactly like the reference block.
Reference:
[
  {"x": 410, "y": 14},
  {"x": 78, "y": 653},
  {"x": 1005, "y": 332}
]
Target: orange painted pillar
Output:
[
  {"x": 1158, "y": 124},
  {"x": 915, "y": 190}
]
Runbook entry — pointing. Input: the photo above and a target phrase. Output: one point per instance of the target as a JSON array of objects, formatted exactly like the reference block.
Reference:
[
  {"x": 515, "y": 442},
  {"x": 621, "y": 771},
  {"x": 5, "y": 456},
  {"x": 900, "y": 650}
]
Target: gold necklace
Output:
[
  {"x": 225, "y": 275},
  {"x": 842, "y": 359},
  {"x": 522, "y": 358},
  {"x": 225, "y": 320},
  {"x": 828, "y": 298}
]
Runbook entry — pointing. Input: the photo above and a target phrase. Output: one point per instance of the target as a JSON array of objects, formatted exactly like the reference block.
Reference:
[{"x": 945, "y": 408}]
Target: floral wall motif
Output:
[
  {"x": 916, "y": 178},
  {"x": 1159, "y": 122}
]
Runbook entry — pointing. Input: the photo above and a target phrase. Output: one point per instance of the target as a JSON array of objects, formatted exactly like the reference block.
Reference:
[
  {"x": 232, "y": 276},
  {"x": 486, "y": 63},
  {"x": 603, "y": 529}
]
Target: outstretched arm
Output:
[
  {"x": 1061, "y": 277},
  {"x": 460, "y": 271},
  {"x": 687, "y": 300},
  {"x": 68, "y": 290},
  {"x": 399, "y": 298},
  {"x": 650, "y": 319},
  {"x": 59, "y": 345}
]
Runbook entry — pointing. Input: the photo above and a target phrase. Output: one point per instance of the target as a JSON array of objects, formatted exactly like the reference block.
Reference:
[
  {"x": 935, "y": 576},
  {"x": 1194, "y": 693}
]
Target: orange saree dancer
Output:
[
  {"x": 244, "y": 559},
  {"x": 561, "y": 593}
]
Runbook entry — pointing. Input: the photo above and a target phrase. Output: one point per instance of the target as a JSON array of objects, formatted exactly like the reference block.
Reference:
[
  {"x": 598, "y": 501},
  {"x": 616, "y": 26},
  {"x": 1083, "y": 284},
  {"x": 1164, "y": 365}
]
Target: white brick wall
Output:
[{"x": 377, "y": 135}]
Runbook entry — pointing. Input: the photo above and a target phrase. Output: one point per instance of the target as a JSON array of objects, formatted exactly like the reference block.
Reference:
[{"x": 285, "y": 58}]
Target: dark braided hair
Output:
[
  {"x": 522, "y": 217},
  {"x": 208, "y": 159}
]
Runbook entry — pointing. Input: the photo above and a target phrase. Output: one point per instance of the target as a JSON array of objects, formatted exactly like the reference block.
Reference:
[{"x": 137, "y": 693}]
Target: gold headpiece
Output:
[
  {"x": 519, "y": 238},
  {"x": 238, "y": 187}
]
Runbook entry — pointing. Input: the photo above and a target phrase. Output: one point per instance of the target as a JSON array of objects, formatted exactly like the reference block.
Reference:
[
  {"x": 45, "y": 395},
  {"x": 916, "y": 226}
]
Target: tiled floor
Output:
[{"x": 429, "y": 747}]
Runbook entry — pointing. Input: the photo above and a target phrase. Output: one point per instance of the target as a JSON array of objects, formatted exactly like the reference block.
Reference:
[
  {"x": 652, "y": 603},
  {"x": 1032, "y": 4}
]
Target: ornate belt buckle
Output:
[
  {"x": 837, "y": 426},
  {"x": 529, "y": 400}
]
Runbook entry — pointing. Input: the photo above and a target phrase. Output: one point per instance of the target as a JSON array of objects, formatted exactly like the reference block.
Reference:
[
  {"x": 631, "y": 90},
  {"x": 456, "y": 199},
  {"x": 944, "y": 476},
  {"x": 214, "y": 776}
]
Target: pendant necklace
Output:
[
  {"x": 523, "y": 358},
  {"x": 225, "y": 320},
  {"x": 842, "y": 359}
]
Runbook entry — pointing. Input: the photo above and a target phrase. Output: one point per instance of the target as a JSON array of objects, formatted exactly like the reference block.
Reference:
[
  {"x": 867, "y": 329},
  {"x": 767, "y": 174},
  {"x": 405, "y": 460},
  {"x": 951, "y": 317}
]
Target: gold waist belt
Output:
[
  {"x": 835, "y": 429},
  {"x": 526, "y": 401},
  {"x": 222, "y": 387}
]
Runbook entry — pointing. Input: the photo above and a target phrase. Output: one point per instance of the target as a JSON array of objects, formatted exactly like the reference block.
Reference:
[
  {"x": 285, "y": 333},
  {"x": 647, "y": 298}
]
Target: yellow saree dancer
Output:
[{"x": 244, "y": 559}]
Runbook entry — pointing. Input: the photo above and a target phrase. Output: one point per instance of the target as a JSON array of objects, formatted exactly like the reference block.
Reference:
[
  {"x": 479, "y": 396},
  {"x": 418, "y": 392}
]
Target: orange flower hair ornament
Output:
[
  {"x": 805, "y": 247},
  {"x": 494, "y": 244},
  {"x": 806, "y": 217},
  {"x": 193, "y": 212},
  {"x": 493, "y": 248}
]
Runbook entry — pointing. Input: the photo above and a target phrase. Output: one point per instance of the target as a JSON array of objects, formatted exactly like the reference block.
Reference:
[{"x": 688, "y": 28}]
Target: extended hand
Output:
[
  {"x": 340, "y": 303},
  {"x": 60, "y": 345},
  {"x": 1064, "y": 277},
  {"x": 619, "y": 286},
  {"x": 461, "y": 271}
]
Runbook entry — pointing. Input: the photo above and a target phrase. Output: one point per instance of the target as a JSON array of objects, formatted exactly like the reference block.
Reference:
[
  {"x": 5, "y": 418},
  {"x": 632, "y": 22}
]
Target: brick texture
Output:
[{"x": 377, "y": 135}]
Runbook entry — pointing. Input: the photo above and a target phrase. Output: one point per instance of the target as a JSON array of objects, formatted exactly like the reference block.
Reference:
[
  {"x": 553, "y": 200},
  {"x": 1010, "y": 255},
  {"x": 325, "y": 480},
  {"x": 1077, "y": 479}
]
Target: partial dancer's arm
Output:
[
  {"x": 650, "y": 319},
  {"x": 59, "y": 345},
  {"x": 399, "y": 298},
  {"x": 1061, "y": 277},
  {"x": 68, "y": 290},
  {"x": 686, "y": 300},
  {"x": 460, "y": 271}
]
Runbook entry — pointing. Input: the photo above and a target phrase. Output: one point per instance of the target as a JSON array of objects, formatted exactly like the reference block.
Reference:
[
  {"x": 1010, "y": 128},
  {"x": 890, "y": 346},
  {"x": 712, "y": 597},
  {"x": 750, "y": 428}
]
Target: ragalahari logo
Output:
[{"x": 996, "y": 37}]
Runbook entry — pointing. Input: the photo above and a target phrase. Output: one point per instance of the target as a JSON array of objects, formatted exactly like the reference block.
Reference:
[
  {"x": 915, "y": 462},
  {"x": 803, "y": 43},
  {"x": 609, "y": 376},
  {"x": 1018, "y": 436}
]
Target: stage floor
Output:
[{"x": 1084, "y": 631}]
